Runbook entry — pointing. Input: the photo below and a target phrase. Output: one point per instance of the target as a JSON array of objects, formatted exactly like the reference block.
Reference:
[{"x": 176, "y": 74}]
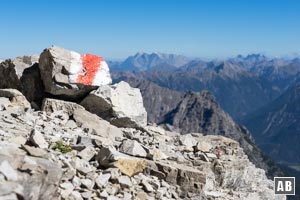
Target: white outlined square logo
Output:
[{"x": 284, "y": 185}]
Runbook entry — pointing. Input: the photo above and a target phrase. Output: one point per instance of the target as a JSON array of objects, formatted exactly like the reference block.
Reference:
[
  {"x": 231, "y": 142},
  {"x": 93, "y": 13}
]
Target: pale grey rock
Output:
[
  {"x": 33, "y": 151},
  {"x": 203, "y": 146},
  {"x": 119, "y": 103},
  {"x": 87, "y": 183},
  {"x": 15, "y": 97},
  {"x": 187, "y": 140},
  {"x": 133, "y": 148},
  {"x": 9, "y": 172},
  {"x": 87, "y": 153},
  {"x": 113, "y": 198},
  {"x": 38, "y": 139},
  {"x": 147, "y": 186},
  {"x": 102, "y": 180},
  {"x": 67, "y": 185},
  {"x": 125, "y": 181},
  {"x": 97, "y": 125},
  {"x": 104, "y": 194},
  {"x": 53, "y": 105},
  {"x": 75, "y": 195}
]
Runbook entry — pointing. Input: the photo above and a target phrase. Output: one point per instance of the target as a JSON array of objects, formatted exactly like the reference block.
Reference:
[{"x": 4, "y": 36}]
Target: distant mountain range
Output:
[
  {"x": 144, "y": 61},
  {"x": 261, "y": 92},
  {"x": 276, "y": 126},
  {"x": 241, "y": 84}
]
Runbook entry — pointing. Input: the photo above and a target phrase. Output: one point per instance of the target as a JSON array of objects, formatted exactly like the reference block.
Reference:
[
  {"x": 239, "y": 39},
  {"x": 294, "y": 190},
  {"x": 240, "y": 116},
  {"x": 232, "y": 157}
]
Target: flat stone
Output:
[
  {"x": 67, "y": 186},
  {"x": 187, "y": 140},
  {"x": 132, "y": 147},
  {"x": 203, "y": 146},
  {"x": 87, "y": 183},
  {"x": 113, "y": 198},
  {"x": 87, "y": 153},
  {"x": 15, "y": 97},
  {"x": 125, "y": 181},
  {"x": 38, "y": 139},
  {"x": 9, "y": 172},
  {"x": 33, "y": 151},
  {"x": 147, "y": 186},
  {"x": 96, "y": 125},
  {"x": 54, "y": 105},
  {"x": 102, "y": 180}
]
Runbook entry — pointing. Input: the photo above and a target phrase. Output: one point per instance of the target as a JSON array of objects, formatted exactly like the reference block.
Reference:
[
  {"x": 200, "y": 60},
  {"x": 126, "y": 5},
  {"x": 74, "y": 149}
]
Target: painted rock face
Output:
[
  {"x": 88, "y": 69},
  {"x": 70, "y": 74}
]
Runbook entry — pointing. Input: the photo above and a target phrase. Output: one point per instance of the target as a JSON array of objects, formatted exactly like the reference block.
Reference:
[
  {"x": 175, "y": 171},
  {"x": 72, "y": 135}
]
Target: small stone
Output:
[
  {"x": 104, "y": 194},
  {"x": 203, "y": 146},
  {"x": 67, "y": 186},
  {"x": 112, "y": 189},
  {"x": 147, "y": 186},
  {"x": 127, "y": 196},
  {"x": 18, "y": 140},
  {"x": 132, "y": 147},
  {"x": 75, "y": 195},
  {"x": 87, "y": 183},
  {"x": 158, "y": 155},
  {"x": 9, "y": 172},
  {"x": 76, "y": 181},
  {"x": 142, "y": 196},
  {"x": 125, "y": 181},
  {"x": 87, "y": 194},
  {"x": 33, "y": 151},
  {"x": 187, "y": 140},
  {"x": 71, "y": 124},
  {"x": 38, "y": 139},
  {"x": 211, "y": 155},
  {"x": 102, "y": 180},
  {"x": 87, "y": 153},
  {"x": 113, "y": 198}
]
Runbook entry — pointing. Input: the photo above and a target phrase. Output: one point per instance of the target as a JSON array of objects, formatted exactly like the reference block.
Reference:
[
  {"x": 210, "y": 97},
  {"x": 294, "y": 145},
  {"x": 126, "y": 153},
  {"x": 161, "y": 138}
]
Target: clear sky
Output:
[{"x": 116, "y": 29}]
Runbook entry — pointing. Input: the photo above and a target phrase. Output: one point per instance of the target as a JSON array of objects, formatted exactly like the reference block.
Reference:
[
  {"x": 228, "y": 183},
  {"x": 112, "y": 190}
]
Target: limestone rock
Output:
[
  {"x": 203, "y": 146},
  {"x": 22, "y": 73},
  {"x": 125, "y": 181},
  {"x": 95, "y": 124},
  {"x": 70, "y": 74},
  {"x": 52, "y": 105},
  {"x": 132, "y": 147},
  {"x": 119, "y": 103},
  {"x": 126, "y": 164},
  {"x": 7, "y": 170},
  {"x": 15, "y": 97},
  {"x": 38, "y": 139}
]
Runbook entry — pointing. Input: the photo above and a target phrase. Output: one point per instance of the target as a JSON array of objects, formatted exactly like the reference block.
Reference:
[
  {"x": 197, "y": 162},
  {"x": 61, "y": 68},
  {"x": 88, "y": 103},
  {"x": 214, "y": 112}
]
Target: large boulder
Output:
[
  {"x": 22, "y": 73},
  {"x": 121, "y": 104},
  {"x": 71, "y": 74}
]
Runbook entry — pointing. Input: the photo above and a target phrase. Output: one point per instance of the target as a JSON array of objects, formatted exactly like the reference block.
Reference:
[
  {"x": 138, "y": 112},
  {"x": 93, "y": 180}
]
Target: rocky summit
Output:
[{"x": 99, "y": 145}]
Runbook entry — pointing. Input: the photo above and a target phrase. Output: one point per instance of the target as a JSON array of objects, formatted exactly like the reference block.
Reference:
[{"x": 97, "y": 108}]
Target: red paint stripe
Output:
[{"x": 91, "y": 65}]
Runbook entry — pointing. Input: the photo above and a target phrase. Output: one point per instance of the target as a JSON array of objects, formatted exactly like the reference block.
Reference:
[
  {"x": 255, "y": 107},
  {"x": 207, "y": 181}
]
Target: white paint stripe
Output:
[
  {"x": 102, "y": 77},
  {"x": 75, "y": 67}
]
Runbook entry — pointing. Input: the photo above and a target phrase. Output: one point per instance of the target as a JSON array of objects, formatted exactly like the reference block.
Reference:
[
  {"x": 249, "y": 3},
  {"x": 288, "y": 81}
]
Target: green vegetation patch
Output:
[{"x": 59, "y": 145}]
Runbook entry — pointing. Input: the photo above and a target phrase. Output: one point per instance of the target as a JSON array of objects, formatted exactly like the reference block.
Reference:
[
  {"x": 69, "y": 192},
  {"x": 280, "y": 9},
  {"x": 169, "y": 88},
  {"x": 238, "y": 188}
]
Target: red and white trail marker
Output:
[{"x": 88, "y": 69}]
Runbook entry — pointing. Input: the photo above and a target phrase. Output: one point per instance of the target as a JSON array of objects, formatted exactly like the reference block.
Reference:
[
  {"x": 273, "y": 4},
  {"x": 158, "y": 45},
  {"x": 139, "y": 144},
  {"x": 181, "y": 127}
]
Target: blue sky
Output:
[{"x": 118, "y": 28}]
